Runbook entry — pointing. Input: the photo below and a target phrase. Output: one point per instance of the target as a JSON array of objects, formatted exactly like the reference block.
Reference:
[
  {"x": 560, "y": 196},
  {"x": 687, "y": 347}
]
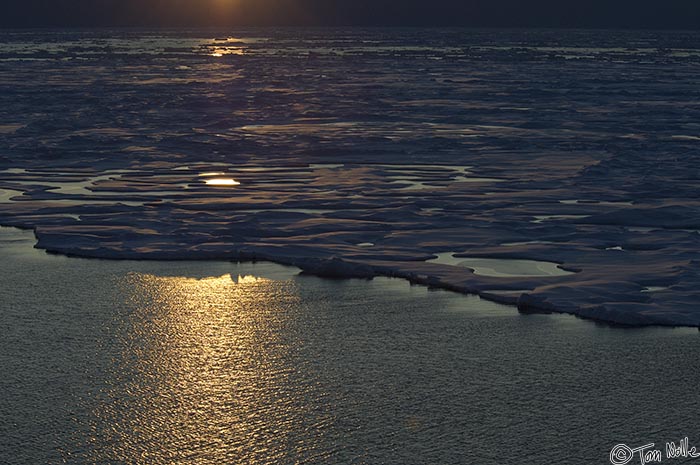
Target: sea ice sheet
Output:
[{"x": 347, "y": 154}]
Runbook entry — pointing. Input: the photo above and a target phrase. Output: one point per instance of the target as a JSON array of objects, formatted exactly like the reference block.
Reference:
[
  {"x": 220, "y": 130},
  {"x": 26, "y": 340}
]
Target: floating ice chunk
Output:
[
  {"x": 309, "y": 211},
  {"x": 212, "y": 174},
  {"x": 596, "y": 202},
  {"x": 477, "y": 179},
  {"x": 651, "y": 289},
  {"x": 7, "y": 194},
  {"x": 415, "y": 185},
  {"x": 543, "y": 218},
  {"x": 419, "y": 167}
]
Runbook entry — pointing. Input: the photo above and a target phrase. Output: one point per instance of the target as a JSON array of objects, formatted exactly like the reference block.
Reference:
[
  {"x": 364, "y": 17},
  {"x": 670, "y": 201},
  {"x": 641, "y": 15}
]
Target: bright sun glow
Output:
[{"x": 222, "y": 182}]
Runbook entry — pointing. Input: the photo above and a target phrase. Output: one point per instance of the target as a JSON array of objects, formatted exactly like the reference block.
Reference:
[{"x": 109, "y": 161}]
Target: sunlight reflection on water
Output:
[
  {"x": 205, "y": 355},
  {"x": 222, "y": 182},
  {"x": 217, "y": 362}
]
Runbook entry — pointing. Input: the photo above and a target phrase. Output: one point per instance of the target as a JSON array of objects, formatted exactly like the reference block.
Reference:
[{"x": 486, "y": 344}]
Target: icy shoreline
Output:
[
  {"x": 335, "y": 268},
  {"x": 601, "y": 265}
]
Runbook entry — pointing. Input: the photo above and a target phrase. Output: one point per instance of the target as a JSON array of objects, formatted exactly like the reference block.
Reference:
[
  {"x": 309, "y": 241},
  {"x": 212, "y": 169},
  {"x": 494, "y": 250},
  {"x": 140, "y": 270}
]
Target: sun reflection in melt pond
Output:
[
  {"x": 205, "y": 375},
  {"x": 223, "y": 51},
  {"x": 222, "y": 182}
]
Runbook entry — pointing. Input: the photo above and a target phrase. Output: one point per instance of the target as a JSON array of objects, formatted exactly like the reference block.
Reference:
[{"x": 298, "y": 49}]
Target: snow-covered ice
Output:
[{"x": 562, "y": 170}]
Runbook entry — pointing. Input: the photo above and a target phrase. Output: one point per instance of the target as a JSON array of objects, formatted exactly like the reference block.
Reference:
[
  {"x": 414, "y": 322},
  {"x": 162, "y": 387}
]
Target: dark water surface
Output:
[{"x": 215, "y": 362}]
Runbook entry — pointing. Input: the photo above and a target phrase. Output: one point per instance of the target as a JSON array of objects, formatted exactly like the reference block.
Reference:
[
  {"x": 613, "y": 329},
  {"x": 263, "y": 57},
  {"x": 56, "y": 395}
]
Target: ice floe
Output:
[{"x": 565, "y": 175}]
